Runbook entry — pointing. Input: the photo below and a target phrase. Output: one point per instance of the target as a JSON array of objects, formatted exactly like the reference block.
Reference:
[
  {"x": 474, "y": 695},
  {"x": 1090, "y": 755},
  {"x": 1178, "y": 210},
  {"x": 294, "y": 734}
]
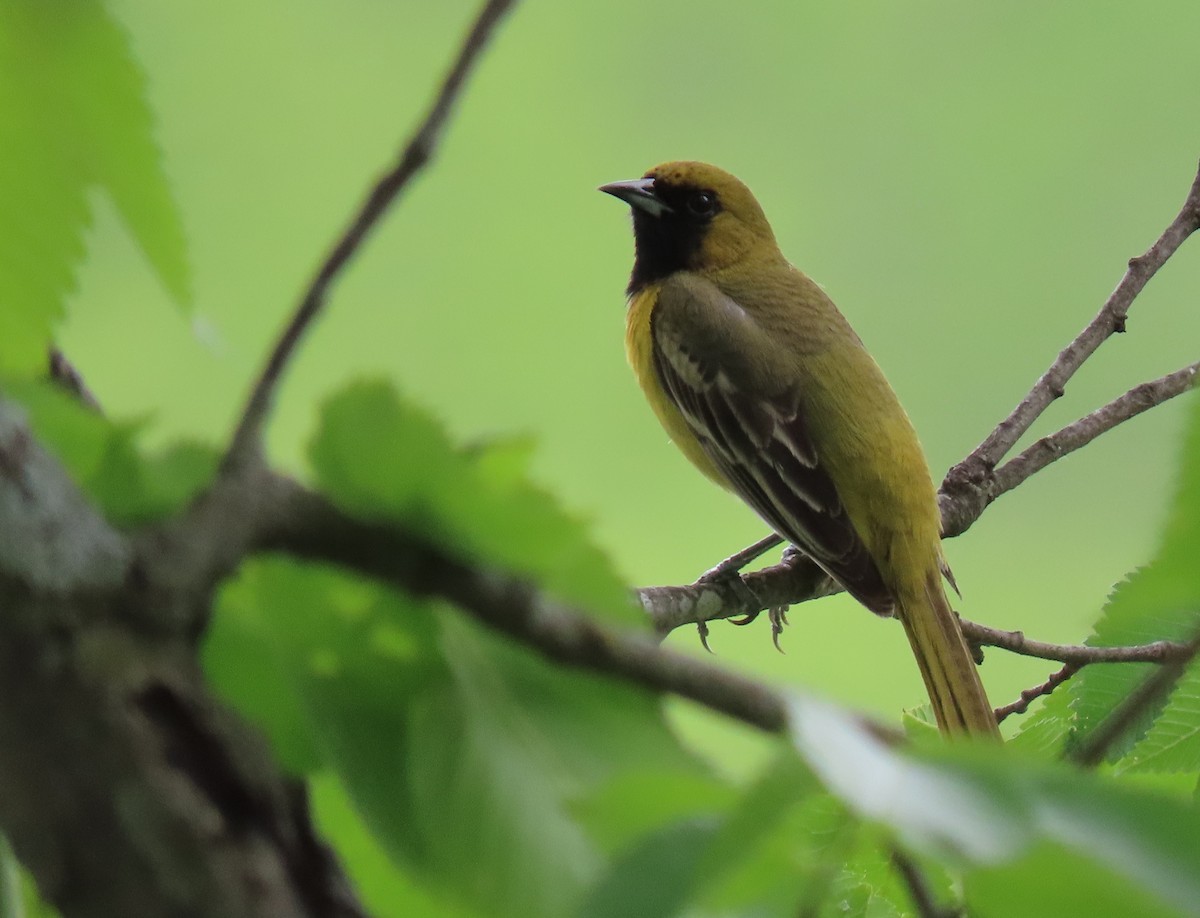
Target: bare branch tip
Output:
[{"x": 417, "y": 152}]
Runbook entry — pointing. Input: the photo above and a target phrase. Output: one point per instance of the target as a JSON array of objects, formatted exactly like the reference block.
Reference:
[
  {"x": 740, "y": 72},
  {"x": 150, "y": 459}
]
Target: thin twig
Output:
[
  {"x": 420, "y": 149},
  {"x": 918, "y": 888},
  {"x": 969, "y": 485},
  {"x": 1095, "y": 744},
  {"x": 1089, "y": 427},
  {"x": 1110, "y": 320},
  {"x": 63, "y": 372},
  {"x": 1029, "y": 695},
  {"x": 1077, "y": 654}
]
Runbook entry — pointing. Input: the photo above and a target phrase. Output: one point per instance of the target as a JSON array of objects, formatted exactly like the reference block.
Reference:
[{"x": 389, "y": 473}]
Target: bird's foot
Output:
[
  {"x": 778, "y": 617},
  {"x": 728, "y": 576},
  {"x": 702, "y": 630}
]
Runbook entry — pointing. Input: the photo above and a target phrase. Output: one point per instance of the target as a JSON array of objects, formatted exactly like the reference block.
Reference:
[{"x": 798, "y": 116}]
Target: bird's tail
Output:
[{"x": 959, "y": 701}]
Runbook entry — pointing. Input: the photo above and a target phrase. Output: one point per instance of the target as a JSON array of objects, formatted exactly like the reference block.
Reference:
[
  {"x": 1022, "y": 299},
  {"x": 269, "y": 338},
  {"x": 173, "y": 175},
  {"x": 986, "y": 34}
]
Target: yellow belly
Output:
[{"x": 639, "y": 348}]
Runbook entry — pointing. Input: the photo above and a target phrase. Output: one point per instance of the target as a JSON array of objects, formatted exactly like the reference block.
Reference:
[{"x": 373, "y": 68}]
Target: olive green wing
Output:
[{"x": 734, "y": 388}]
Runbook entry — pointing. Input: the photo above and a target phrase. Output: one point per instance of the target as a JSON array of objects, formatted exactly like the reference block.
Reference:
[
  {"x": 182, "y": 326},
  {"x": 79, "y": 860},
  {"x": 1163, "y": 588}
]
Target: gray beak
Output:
[{"x": 638, "y": 193}]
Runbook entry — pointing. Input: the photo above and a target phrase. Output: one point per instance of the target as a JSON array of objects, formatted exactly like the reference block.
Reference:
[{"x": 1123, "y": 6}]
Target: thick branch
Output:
[
  {"x": 125, "y": 787},
  {"x": 417, "y": 153},
  {"x": 306, "y": 525}
]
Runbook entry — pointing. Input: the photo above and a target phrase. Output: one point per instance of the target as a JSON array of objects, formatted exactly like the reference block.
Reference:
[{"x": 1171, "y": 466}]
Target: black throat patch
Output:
[{"x": 666, "y": 243}]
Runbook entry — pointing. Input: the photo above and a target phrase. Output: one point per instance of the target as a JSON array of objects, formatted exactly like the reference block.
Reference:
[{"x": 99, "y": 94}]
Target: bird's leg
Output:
[
  {"x": 735, "y": 562},
  {"x": 728, "y": 572}
]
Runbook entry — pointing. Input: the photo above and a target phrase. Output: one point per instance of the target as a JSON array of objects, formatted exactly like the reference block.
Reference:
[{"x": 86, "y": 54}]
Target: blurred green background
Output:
[{"x": 966, "y": 180}]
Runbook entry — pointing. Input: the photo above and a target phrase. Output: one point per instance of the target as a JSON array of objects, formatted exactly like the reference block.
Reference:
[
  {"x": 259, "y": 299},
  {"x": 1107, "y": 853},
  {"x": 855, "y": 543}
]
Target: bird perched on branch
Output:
[{"x": 765, "y": 387}]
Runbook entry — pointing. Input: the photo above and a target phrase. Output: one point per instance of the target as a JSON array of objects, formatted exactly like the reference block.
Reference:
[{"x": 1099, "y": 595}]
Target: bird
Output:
[{"x": 763, "y": 385}]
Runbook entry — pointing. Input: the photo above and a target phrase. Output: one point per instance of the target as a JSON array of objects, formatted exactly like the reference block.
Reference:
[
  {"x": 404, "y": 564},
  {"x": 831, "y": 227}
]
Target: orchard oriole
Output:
[{"x": 765, "y": 387}]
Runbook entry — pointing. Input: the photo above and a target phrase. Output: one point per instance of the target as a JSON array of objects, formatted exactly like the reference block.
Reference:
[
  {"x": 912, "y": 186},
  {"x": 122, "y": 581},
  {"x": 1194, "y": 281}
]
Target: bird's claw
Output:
[
  {"x": 702, "y": 630},
  {"x": 778, "y": 617},
  {"x": 726, "y": 575}
]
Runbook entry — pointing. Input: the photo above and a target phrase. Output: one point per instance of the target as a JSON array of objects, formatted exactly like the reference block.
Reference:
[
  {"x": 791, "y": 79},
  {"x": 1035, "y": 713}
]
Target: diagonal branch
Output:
[
  {"x": 1089, "y": 427},
  {"x": 958, "y": 514},
  {"x": 967, "y": 484},
  {"x": 1108, "y": 321},
  {"x": 63, "y": 372},
  {"x": 246, "y": 440},
  {"x": 1029, "y": 695}
]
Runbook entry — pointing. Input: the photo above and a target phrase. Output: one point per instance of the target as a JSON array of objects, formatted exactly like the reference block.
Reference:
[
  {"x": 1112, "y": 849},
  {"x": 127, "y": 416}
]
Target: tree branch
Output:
[
  {"x": 417, "y": 153},
  {"x": 1088, "y": 428},
  {"x": 1108, "y": 321},
  {"x": 1079, "y": 655},
  {"x": 306, "y": 525},
  {"x": 107, "y": 723},
  {"x": 1021, "y": 705},
  {"x": 186, "y": 812},
  {"x": 963, "y": 503}
]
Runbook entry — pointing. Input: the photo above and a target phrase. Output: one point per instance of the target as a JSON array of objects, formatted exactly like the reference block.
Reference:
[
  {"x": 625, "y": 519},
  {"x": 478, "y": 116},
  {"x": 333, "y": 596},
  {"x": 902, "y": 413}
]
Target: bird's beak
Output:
[{"x": 638, "y": 193}]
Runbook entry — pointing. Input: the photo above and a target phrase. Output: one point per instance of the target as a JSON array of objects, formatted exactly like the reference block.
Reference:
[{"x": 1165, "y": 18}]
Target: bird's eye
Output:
[{"x": 702, "y": 203}]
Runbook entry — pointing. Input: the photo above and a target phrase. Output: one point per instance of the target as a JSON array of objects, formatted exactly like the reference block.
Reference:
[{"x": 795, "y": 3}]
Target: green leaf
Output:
[
  {"x": 984, "y": 806},
  {"x": 243, "y": 661},
  {"x": 12, "y": 904},
  {"x": 1160, "y": 601},
  {"x": 870, "y": 885},
  {"x": 382, "y": 457},
  {"x": 776, "y": 861},
  {"x": 105, "y": 460},
  {"x": 1044, "y": 732},
  {"x": 654, "y": 877},
  {"x": 72, "y": 116},
  {"x": 639, "y": 802},
  {"x": 383, "y": 886},
  {"x": 933, "y": 809},
  {"x": 783, "y": 848},
  {"x": 462, "y": 751},
  {"x": 1051, "y": 881},
  {"x": 919, "y": 722}
]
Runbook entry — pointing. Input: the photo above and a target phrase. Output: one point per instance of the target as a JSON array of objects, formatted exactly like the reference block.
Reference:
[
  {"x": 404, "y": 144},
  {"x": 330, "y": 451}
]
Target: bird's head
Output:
[{"x": 690, "y": 216}]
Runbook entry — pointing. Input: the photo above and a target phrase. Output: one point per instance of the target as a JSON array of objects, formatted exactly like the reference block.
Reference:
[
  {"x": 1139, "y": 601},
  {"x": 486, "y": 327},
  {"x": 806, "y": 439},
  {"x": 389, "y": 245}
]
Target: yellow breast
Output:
[{"x": 639, "y": 348}]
